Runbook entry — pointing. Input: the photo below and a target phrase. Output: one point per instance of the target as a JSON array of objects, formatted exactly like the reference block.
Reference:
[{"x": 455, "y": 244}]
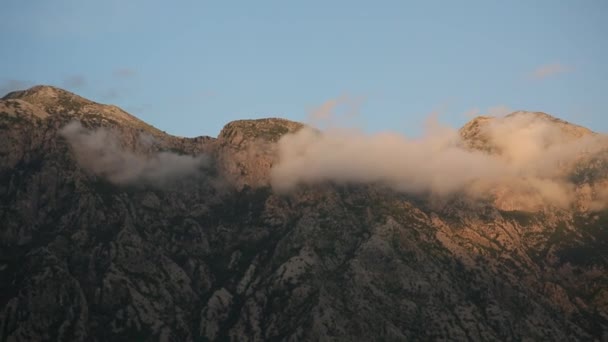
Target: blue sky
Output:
[{"x": 189, "y": 67}]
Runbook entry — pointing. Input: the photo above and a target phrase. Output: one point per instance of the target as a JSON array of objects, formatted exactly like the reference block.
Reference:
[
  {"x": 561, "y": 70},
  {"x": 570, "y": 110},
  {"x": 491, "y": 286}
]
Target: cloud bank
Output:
[
  {"x": 100, "y": 151},
  {"x": 525, "y": 154}
]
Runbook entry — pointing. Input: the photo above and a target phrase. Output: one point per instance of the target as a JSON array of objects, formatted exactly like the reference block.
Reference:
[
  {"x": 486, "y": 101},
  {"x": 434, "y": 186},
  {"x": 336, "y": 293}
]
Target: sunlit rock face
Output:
[{"x": 196, "y": 245}]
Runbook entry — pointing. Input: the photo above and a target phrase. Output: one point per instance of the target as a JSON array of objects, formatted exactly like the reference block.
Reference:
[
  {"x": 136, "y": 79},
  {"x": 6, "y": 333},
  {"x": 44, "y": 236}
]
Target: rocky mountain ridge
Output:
[
  {"x": 218, "y": 255},
  {"x": 476, "y": 136}
]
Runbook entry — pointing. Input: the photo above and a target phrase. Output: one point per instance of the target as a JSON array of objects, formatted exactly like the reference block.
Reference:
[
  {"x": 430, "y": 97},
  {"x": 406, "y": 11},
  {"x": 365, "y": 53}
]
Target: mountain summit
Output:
[
  {"x": 111, "y": 229},
  {"x": 46, "y": 96},
  {"x": 476, "y": 132},
  {"x": 59, "y": 102}
]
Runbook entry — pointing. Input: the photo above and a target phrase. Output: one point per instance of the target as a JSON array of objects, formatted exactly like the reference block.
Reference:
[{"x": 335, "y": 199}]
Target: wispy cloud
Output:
[
  {"x": 343, "y": 108},
  {"x": 548, "y": 70},
  {"x": 124, "y": 73},
  {"x": 75, "y": 81}
]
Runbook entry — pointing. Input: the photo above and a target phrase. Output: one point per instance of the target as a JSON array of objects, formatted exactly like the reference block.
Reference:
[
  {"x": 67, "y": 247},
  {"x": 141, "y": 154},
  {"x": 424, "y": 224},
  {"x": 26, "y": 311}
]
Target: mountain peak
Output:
[
  {"x": 52, "y": 99},
  {"x": 537, "y": 116},
  {"x": 57, "y": 101},
  {"x": 45, "y": 94},
  {"x": 473, "y": 133},
  {"x": 269, "y": 129},
  {"x": 476, "y": 132}
]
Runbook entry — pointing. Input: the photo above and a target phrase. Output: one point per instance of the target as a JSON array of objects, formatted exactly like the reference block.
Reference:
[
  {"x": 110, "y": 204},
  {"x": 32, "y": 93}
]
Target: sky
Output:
[{"x": 189, "y": 67}]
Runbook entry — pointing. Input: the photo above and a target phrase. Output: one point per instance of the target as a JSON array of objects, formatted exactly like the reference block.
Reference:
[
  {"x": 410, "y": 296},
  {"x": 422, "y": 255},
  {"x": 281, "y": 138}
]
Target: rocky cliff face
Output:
[{"x": 217, "y": 255}]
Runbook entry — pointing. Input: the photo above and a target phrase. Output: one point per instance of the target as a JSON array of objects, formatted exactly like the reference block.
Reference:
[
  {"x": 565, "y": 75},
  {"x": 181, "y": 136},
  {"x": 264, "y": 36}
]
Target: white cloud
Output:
[
  {"x": 530, "y": 161},
  {"x": 100, "y": 151}
]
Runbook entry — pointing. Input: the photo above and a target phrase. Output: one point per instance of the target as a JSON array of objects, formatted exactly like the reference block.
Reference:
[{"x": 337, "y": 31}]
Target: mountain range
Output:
[{"x": 113, "y": 230}]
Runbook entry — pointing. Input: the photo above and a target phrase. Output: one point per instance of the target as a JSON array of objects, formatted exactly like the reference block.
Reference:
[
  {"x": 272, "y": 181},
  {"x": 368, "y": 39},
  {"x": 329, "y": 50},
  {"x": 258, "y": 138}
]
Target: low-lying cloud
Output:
[
  {"x": 101, "y": 152},
  {"x": 528, "y": 155}
]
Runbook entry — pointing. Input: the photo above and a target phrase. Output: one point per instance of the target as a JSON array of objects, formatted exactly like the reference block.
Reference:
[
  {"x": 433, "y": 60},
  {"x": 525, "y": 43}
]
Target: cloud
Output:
[
  {"x": 124, "y": 73},
  {"x": 100, "y": 152},
  {"x": 324, "y": 111},
  {"x": 341, "y": 109},
  {"x": 530, "y": 159},
  {"x": 548, "y": 70},
  {"x": 75, "y": 81},
  {"x": 11, "y": 85}
]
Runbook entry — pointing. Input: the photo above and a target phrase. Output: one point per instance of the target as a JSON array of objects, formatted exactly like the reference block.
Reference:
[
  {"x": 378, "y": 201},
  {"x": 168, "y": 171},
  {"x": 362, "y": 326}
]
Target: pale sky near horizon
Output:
[{"x": 189, "y": 67}]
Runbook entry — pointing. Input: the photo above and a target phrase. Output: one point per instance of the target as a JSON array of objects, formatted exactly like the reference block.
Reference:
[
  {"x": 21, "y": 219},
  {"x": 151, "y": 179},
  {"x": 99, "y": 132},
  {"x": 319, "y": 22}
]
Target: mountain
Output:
[{"x": 111, "y": 229}]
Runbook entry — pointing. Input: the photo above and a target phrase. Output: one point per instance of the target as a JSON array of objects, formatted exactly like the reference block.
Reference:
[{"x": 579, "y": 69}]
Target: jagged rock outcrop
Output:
[
  {"x": 246, "y": 149},
  {"x": 218, "y": 255}
]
